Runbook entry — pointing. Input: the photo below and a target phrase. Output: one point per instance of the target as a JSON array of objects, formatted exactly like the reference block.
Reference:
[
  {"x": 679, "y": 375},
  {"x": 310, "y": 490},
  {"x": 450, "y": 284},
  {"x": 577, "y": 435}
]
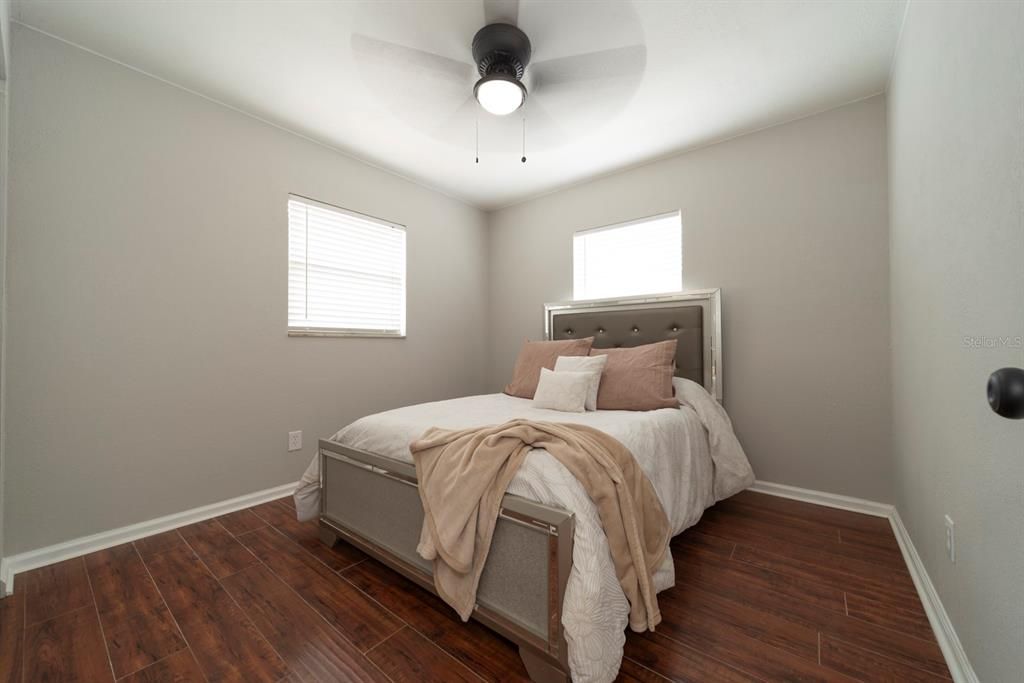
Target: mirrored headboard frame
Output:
[{"x": 709, "y": 300}]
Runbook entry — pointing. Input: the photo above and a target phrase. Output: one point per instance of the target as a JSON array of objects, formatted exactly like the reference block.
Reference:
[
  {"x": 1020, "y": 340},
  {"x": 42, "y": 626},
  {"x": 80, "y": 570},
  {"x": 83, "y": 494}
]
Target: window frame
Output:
[
  {"x": 311, "y": 331},
  {"x": 625, "y": 224}
]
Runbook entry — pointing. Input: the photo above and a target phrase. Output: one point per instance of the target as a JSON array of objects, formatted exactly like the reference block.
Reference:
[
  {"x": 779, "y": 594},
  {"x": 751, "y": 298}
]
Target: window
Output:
[
  {"x": 346, "y": 272},
  {"x": 644, "y": 256}
]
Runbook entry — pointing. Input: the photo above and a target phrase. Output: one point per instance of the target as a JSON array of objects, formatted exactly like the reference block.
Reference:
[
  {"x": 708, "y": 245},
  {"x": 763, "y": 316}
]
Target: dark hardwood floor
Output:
[{"x": 767, "y": 589}]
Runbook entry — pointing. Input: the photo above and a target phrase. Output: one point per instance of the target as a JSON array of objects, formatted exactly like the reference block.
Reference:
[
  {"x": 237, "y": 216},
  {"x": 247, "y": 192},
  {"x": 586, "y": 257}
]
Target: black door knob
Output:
[{"x": 1006, "y": 392}]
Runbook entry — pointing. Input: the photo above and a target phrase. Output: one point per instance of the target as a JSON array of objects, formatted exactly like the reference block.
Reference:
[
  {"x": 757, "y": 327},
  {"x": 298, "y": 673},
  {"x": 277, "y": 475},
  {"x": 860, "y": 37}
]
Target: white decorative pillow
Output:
[
  {"x": 590, "y": 364},
  {"x": 565, "y": 391}
]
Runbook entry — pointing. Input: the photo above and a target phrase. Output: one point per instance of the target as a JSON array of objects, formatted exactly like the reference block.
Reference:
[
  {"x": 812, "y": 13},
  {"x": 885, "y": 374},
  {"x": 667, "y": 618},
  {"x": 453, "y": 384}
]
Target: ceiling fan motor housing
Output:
[{"x": 501, "y": 49}]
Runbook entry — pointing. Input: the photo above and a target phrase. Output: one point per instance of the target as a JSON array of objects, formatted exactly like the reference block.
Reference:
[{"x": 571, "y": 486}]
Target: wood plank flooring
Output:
[{"x": 767, "y": 589}]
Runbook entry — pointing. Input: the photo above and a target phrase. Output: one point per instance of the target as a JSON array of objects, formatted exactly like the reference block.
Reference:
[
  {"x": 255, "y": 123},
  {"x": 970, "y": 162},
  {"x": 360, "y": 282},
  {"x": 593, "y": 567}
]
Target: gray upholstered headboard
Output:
[{"x": 694, "y": 318}]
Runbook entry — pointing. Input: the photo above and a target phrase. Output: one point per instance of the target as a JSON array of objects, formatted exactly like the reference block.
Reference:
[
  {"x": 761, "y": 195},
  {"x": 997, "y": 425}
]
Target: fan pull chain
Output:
[
  {"x": 478, "y": 136},
  {"x": 524, "y": 137}
]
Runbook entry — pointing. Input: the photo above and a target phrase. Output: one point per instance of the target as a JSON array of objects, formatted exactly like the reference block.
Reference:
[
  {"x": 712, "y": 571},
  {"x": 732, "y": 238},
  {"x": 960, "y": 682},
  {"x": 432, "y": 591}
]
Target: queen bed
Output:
[{"x": 549, "y": 583}]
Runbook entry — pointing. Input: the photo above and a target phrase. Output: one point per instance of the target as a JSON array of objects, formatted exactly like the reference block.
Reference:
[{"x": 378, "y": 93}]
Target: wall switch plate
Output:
[
  {"x": 950, "y": 539},
  {"x": 294, "y": 441}
]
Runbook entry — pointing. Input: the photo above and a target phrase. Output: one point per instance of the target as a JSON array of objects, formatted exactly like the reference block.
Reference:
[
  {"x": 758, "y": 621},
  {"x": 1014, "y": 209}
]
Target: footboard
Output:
[{"x": 373, "y": 502}]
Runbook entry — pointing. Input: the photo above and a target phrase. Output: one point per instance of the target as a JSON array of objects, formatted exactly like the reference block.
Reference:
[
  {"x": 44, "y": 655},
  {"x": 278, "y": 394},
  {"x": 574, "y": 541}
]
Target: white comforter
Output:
[{"x": 690, "y": 455}]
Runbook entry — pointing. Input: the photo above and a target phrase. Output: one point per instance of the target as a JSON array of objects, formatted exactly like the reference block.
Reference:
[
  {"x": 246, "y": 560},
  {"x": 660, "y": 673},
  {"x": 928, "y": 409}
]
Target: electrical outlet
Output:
[
  {"x": 294, "y": 441},
  {"x": 950, "y": 539}
]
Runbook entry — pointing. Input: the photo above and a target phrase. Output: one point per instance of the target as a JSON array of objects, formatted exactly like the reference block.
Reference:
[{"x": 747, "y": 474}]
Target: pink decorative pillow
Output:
[
  {"x": 637, "y": 378},
  {"x": 541, "y": 354}
]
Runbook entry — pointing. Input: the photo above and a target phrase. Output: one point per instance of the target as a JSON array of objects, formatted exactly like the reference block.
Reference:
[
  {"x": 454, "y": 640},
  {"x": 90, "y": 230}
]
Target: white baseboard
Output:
[
  {"x": 832, "y": 500},
  {"x": 959, "y": 666},
  {"x": 11, "y": 566},
  {"x": 956, "y": 659}
]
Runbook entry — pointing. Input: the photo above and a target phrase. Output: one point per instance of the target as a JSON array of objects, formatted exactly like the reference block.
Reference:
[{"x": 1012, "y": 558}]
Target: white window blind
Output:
[
  {"x": 346, "y": 272},
  {"x": 639, "y": 257}
]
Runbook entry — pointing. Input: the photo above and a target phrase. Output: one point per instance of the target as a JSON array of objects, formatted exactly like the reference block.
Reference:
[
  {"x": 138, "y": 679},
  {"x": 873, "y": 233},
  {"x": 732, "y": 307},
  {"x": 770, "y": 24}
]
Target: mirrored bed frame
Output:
[{"x": 373, "y": 502}]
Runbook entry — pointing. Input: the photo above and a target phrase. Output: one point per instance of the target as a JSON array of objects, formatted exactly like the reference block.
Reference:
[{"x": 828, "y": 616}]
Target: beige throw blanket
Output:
[{"x": 463, "y": 475}]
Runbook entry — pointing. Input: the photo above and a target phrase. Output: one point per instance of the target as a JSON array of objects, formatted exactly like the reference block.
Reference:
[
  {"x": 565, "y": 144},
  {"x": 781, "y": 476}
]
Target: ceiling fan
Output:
[
  {"x": 501, "y": 53},
  {"x": 568, "y": 91}
]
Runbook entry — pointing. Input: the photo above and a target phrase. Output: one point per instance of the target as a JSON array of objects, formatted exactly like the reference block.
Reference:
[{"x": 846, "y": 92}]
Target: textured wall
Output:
[
  {"x": 791, "y": 222},
  {"x": 957, "y": 170},
  {"x": 149, "y": 367}
]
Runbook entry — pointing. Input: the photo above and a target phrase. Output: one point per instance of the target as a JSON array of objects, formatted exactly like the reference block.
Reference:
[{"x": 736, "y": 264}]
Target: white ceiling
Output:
[{"x": 708, "y": 70}]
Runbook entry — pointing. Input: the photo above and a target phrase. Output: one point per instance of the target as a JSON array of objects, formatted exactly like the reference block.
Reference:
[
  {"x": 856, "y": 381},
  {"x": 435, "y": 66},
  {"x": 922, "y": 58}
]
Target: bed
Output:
[{"x": 548, "y": 583}]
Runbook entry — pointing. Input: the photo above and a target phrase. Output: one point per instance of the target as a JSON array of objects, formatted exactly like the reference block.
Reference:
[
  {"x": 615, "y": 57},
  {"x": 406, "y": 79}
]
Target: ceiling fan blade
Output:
[
  {"x": 501, "y": 12},
  {"x": 411, "y": 59},
  {"x": 542, "y": 131},
  {"x": 619, "y": 62},
  {"x": 460, "y": 126}
]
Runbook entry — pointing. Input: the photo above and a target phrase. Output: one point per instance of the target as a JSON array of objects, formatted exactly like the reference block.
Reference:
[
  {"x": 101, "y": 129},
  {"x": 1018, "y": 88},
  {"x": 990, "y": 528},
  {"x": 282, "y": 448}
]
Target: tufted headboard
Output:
[{"x": 694, "y": 318}]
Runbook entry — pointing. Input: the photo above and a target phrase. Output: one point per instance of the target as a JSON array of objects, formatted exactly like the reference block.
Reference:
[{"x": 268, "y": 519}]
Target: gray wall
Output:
[
  {"x": 4, "y": 99},
  {"x": 957, "y": 168},
  {"x": 5, "y": 25},
  {"x": 791, "y": 223},
  {"x": 147, "y": 351}
]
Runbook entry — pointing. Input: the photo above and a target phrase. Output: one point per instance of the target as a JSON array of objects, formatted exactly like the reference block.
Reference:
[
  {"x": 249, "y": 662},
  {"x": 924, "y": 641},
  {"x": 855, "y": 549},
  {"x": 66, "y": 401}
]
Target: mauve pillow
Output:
[
  {"x": 541, "y": 354},
  {"x": 637, "y": 378}
]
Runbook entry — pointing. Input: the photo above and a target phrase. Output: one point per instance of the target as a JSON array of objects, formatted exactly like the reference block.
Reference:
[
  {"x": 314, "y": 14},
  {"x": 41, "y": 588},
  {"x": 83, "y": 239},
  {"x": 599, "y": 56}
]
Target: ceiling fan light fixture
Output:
[{"x": 500, "y": 94}]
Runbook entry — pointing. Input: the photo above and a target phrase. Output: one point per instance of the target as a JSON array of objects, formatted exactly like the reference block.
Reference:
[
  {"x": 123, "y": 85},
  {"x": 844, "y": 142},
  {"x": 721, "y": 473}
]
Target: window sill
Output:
[{"x": 310, "y": 332}]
